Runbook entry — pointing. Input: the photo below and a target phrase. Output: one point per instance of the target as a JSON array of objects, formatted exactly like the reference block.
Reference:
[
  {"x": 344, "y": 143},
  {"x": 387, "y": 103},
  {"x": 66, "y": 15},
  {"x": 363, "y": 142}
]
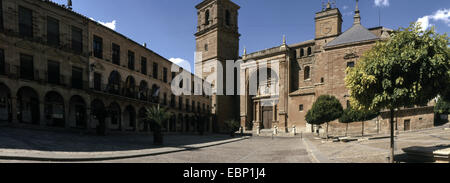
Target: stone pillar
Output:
[
  {"x": 66, "y": 115},
  {"x": 282, "y": 105},
  {"x": 88, "y": 118},
  {"x": 14, "y": 110},
  {"x": 42, "y": 120}
]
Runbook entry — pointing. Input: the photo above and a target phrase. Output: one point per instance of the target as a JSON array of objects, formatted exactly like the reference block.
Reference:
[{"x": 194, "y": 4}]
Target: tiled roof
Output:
[{"x": 356, "y": 33}]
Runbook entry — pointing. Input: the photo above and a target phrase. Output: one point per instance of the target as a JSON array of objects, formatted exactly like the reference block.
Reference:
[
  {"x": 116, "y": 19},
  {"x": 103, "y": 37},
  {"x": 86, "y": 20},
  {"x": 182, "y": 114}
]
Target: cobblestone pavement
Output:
[
  {"x": 177, "y": 149},
  {"x": 377, "y": 151},
  {"x": 213, "y": 148}
]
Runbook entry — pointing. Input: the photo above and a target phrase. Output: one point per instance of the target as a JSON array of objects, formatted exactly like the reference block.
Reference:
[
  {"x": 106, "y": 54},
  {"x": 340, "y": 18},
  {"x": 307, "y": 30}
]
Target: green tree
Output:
[
  {"x": 442, "y": 107},
  {"x": 351, "y": 115},
  {"x": 326, "y": 109},
  {"x": 410, "y": 68},
  {"x": 156, "y": 116},
  {"x": 232, "y": 126}
]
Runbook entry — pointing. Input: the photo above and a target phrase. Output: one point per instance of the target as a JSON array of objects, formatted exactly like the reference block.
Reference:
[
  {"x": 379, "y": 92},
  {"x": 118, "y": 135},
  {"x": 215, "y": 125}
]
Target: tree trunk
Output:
[
  {"x": 392, "y": 136},
  {"x": 327, "y": 130},
  {"x": 346, "y": 130},
  {"x": 362, "y": 131}
]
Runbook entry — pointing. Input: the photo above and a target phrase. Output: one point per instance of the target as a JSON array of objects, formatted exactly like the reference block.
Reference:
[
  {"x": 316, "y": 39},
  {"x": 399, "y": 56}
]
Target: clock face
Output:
[{"x": 326, "y": 28}]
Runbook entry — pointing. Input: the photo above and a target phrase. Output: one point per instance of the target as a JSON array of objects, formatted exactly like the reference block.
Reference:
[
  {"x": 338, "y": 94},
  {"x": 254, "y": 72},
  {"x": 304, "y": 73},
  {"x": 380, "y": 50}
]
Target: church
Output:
[{"x": 305, "y": 70}]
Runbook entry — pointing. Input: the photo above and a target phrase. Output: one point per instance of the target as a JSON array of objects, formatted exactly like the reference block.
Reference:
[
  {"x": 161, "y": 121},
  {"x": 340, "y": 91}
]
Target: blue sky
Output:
[{"x": 168, "y": 26}]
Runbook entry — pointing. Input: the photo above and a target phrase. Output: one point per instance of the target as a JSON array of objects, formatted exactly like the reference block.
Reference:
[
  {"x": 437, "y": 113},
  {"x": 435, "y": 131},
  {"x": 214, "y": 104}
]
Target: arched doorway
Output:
[
  {"x": 77, "y": 112},
  {"x": 54, "y": 109},
  {"x": 115, "y": 116},
  {"x": 114, "y": 81},
  {"x": 5, "y": 103},
  {"x": 28, "y": 106},
  {"x": 98, "y": 112},
  {"x": 129, "y": 117}
]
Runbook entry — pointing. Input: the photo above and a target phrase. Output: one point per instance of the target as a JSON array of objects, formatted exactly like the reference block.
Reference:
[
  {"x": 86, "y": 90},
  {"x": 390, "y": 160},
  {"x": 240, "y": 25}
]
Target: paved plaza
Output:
[{"x": 22, "y": 145}]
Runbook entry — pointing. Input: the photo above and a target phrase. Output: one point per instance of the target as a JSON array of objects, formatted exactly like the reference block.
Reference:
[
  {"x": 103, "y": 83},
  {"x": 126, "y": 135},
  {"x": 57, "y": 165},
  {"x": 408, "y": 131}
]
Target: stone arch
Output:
[
  {"x": 114, "y": 82},
  {"x": 5, "y": 103},
  {"x": 54, "y": 109},
  {"x": 115, "y": 116},
  {"x": 28, "y": 105},
  {"x": 302, "y": 52},
  {"x": 77, "y": 112},
  {"x": 309, "y": 51},
  {"x": 207, "y": 15},
  {"x": 129, "y": 117}
]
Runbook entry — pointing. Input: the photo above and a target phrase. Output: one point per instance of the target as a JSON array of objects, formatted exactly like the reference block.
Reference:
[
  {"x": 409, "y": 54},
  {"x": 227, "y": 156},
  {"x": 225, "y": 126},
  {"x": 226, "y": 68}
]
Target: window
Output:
[
  {"x": 301, "y": 108},
  {"x": 52, "y": 31},
  {"x": 165, "y": 75},
  {"x": 165, "y": 99},
  {"x": 198, "y": 107},
  {"x": 322, "y": 80},
  {"x": 98, "y": 47},
  {"x": 350, "y": 64},
  {"x": 144, "y": 65},
  {"x": 2, "y": 62},
  {"x": 206, "y": 47},
  {"x": 207, "y": 17},
  {"x": 180, "y": 103},
  {"x": 26, "y": 67},
  {"x": 172, "y": 100},
  {"x": 131, "y": 60},
  {"x": 227, "y": 18},
  {"x": 188, "y": 108},
  {"x": 115, "y": 54},
  {"x": 307, "y": 73},
  {"x": 77, "y": 40},
  {"x": 173, "y": 75},
  {"x": 1, "y": 15},
  {"x": 193, "y": 106},
  {"x": 97, "y": 81},
  {"x": 25, "y": 22},
  {"x": 53, "y": 72},
  {"x": 309, "y": 51},
  {"x": 155, "y": 70},
  {"x": 77, "y": 78},
  {"x": 302, "y": 52}
]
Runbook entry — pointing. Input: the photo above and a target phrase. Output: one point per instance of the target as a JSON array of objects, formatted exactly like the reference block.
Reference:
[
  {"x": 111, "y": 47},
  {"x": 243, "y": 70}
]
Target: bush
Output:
[{"x": 232, "y": 126}]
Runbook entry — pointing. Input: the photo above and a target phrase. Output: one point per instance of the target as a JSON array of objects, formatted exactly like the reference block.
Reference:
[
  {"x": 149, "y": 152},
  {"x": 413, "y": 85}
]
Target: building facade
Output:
[
  {"x": 59, "y": 68},
  {"x": 309, "y": 69}
]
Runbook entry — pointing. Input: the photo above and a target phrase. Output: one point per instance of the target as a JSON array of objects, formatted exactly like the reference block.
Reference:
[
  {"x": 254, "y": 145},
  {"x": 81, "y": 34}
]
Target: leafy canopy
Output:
[
  {"x": 327, "y": 108},
  {"x": 442, "y": 107},
  {"x": 157, "y": 115},
  {"x": 351, "y": 115},
  {"x": 410, "y": 68}
]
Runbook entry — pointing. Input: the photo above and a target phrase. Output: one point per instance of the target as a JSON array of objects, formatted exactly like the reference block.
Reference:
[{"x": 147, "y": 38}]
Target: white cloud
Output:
[
  {"x": 111, "y": 25},
  {"x": 182, "y": 63},
  {"x": 345, "y": 7},
  {"x": 381, "y": 3},
  {"x": 440, "y": 15}
]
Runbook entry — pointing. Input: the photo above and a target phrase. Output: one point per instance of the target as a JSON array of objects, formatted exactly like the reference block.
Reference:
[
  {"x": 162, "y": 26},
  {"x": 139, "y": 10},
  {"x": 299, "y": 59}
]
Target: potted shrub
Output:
[{"x": 156, "y": 116}]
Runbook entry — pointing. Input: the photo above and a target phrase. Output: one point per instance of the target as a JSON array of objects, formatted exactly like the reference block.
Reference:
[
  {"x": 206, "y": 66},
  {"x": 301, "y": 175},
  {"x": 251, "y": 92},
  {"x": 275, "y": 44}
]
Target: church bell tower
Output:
[{"x": 217, "y": 41}]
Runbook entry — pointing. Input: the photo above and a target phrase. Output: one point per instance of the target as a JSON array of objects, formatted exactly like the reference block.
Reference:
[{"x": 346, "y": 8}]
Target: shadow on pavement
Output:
[{"x": 56, "y": 141}]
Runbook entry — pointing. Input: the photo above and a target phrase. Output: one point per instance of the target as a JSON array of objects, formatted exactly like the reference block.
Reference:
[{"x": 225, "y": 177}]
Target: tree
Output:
[
  {"x": 232, "y": 126},
  {"x": 326, "y": 109},
  {"x": 351, "y": 115},
  {"x": 442, "y": 107},
  {"x": 410, "y": 68},
  {"x": 156, "y": 116}
]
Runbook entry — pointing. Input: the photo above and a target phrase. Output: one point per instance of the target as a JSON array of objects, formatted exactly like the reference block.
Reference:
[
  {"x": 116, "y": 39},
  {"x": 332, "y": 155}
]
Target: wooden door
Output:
[{"x": 267, "y": 117}]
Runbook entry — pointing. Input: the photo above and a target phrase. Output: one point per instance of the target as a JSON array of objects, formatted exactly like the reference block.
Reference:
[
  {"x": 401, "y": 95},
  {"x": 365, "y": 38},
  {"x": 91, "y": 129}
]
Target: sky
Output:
[{"x": 168, "y": 26}]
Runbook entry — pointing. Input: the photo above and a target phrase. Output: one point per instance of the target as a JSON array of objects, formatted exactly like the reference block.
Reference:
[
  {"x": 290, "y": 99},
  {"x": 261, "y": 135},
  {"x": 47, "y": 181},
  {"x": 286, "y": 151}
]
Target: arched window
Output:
[
  {"x": 302, "y": 52},
  {"x": 307, "y": 72},
  {"x": 114, "y": 83},
  {"x": 309, "y": 51},
  {"x": 207, "y": 17},
  {"x": 227, "y": 18}
]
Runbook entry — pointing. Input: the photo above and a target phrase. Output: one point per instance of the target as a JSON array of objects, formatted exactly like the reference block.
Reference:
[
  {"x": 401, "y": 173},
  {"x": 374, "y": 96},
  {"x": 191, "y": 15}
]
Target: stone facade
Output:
[
  {"x": 91, "y": 74},
  {"x": 217, "y": 41},
  {"x": 313, "y": 68}
]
